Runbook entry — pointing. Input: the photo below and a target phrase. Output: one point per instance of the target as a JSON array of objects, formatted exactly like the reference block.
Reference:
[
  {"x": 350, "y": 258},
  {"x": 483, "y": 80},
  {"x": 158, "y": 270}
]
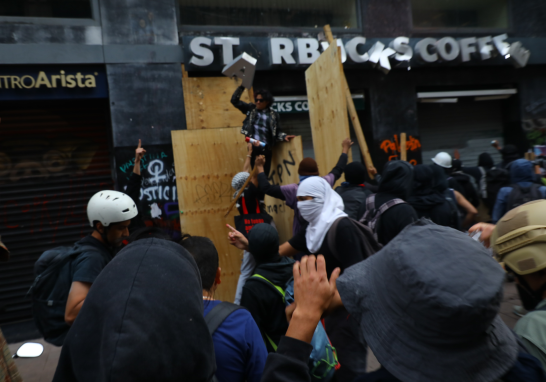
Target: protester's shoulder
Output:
[
  {"x": 345, "y": 224},
  {"x": 330, "y": 178},
  {"x": 530, "y": 325}
]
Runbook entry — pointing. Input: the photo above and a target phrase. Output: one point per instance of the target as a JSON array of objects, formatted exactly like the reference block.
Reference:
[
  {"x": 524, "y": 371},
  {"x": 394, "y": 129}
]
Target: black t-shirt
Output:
[
  {"x": 249, "y": 201},
  {"x": 347, "y": 244},
  {"x": 86, "y": 267}
]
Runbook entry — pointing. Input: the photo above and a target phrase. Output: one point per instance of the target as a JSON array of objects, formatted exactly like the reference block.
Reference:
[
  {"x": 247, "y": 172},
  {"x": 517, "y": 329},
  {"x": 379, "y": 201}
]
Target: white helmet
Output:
[
  {"x": 110, "y": 207},
  {"x": 442, "y": 159}
]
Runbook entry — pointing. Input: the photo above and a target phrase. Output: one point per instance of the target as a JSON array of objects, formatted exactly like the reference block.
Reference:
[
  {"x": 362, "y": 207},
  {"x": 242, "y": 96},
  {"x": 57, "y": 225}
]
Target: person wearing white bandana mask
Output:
[{"x": 321, "y": 206}]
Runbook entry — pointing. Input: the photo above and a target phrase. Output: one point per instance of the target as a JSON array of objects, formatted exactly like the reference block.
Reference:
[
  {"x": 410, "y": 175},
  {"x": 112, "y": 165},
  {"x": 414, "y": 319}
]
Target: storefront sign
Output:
[
  {"x": 299, "y": 104},
  {"x": 32, "y": 82},
  {"x": 212, "y": 53}
]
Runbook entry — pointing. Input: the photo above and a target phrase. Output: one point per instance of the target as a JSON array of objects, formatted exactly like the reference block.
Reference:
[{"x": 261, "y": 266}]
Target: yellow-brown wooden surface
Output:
[
  {"x": 205, "y": 163},
  {"x": 284, "y": 170},
  {"x": 327, "y": 109},
  {"x": 207, "y": 102}
]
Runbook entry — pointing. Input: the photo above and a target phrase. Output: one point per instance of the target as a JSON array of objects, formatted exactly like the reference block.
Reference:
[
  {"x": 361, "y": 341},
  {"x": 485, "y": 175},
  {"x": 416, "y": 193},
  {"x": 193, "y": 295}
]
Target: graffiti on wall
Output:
[
  {"x": 392, "y": 148},
  {"x": 158, "y": 198},
  {"x": 39, "y": 159},
  {"x": 46, "y": 182},
  {"x": 534, "y": 123}
]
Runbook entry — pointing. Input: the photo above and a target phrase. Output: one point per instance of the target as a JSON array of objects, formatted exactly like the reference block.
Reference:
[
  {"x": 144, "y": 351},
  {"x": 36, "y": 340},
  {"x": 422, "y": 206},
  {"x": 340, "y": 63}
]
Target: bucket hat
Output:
[{"x": 427, "y": 305}]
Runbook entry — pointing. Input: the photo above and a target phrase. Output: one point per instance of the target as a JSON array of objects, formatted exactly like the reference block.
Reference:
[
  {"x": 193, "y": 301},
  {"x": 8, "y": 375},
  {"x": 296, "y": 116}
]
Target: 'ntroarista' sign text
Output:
[{"x": 48, "y": 80}]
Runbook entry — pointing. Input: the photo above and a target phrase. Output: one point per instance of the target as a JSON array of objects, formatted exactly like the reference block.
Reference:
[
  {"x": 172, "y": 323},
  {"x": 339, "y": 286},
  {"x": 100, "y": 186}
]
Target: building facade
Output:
[{"x": 81, "y": 81}]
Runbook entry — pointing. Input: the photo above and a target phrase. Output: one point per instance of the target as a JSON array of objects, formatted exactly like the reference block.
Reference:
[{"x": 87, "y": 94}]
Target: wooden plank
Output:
[
  {"x": 284, "y": 170},
  {"x": 207, "y": 102},
  {"x": 205, "y": 162},
  {"x": 327, "y": 109},
  {"x": 403, "y": 151},
  {"x": 352, "y": 113}
]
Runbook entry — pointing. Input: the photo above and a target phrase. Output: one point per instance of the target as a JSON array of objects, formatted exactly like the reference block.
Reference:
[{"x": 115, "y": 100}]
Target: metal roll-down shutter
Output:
[
  {"x": 466, "y": 126},
  {"x": 54, "y": 156}
]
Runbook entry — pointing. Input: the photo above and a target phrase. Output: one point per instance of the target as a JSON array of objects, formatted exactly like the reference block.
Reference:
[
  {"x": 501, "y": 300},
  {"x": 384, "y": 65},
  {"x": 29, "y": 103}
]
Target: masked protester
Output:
[
  {"x": 428, "y": 306},
  {"x": 142, "y": 321},
  {"x": 519, "y": 239},
  {"x": 261, "y": 292},
  {"x": 428, "y": 201},
  {"x": 322, "y": 207}
]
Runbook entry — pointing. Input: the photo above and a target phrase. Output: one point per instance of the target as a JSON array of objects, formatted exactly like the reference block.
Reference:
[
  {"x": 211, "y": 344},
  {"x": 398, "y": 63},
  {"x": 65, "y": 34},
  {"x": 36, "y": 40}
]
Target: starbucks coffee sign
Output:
[{"x": 212, "y": 53}]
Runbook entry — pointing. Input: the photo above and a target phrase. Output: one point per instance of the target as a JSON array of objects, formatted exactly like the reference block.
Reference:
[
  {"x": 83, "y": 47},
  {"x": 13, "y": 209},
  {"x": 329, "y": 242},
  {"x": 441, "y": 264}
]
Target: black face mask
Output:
[{"x": 529, "y": 298}]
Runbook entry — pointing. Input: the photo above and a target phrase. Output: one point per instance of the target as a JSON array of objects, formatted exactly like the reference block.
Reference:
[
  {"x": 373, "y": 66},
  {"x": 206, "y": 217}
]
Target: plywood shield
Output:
[
  {"x": 207, "y": 102},
  {"x": 205, "y": 163},
  {"x": 327, "y": 109},
  {"x": 284, "y": 170}
]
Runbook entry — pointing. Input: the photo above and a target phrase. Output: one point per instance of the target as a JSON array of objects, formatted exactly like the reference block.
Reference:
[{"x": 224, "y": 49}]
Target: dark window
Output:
[
  {"x": 73, "y": 9},
  {"x": 460, "y": 14},
  {"x": 281, "y": 13}
]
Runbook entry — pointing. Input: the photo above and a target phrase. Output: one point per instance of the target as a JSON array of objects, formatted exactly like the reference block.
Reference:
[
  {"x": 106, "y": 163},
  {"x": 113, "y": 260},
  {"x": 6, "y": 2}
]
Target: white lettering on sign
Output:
[{"x": 428, "y": 50}]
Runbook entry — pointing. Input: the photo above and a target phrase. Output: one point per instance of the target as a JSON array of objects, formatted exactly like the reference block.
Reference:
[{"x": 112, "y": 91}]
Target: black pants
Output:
[
  {"x": 344, "y": 334},
  {"x": 257, "y": 151}
]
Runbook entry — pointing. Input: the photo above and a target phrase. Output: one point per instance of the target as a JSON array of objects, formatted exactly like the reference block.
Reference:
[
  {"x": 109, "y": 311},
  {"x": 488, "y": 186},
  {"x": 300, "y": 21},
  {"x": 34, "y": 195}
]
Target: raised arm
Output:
[
  {"x": 263, "y": 183},
  {"x": 135, "y": 179},
  {"x": 337, "y": 171},
  {"x": 236, "y": 101}
]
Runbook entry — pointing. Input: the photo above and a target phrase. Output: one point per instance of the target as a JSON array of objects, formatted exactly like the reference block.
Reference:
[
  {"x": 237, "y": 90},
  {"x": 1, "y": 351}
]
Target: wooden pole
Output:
[
  {"x": 352, "y": 112},
  {"x": 403, "y": 152},
  {"x": 252, "y": 173},
  {"x": 251, "y": 95}
]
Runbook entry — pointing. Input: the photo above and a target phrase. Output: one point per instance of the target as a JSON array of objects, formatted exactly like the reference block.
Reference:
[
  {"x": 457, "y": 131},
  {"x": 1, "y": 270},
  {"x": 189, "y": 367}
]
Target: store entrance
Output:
[
  {"x": 54, "y": 155},
  {"x": 467, "y": 125}
]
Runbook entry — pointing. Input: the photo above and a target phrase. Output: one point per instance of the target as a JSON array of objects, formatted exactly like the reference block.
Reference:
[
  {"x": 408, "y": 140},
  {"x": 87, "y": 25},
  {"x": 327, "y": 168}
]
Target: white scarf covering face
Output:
[{"x": 321, "y": 212}]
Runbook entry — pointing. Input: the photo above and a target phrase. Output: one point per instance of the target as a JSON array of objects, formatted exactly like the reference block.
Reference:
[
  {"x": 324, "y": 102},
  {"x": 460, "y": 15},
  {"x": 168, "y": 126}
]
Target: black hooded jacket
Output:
[
  {"x": 264, "y": 302},
  {"x": 396, "y": 182},
  {"x": 141, "y": 321},
  {"x": 427, "y": 200}
]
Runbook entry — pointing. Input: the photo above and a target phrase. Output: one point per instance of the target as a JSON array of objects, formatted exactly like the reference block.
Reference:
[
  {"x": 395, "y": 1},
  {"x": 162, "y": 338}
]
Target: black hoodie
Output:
[
  {"x": 427, "y": 201},
  {"x": 141, "y": 321},
  {"x": 264, "y": 302},
  {"x": 396, "y": 182}
]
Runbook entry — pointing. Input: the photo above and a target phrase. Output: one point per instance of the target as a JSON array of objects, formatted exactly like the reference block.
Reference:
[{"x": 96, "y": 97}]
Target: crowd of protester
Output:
[{"x": 411, "y": 265}]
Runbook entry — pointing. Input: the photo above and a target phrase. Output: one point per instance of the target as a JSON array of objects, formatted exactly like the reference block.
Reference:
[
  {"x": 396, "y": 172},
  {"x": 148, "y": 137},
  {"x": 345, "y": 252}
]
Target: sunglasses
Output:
[{"x": 258, "y": 100}]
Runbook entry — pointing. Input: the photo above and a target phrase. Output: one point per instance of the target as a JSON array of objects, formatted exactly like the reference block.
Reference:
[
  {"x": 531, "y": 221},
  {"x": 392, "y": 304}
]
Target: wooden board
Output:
[
  {"x": 205, "y": 163},
  {"x": 327, "y": 109},
  {"x": 284, "y": 170},
  {"x": 207, "y": 102}
]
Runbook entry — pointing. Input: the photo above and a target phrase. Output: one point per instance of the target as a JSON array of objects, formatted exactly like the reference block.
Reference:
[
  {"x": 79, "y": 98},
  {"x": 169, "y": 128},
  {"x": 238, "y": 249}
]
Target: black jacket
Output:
[
  {"x": 427, "y": 201},
  {"x": 141, "y": 321},
  {"x": 248, "y": 124},
  {"x": 349, "y": 247},
  {"x": 354, "y": 198},
  {"x": 265, "y": 303},
  {"x": 396, "y": 182}
]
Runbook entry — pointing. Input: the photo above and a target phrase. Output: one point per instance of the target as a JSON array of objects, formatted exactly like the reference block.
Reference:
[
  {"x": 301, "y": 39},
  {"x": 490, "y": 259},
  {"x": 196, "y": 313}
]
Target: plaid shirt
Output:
[{"x": 261, "y": 126}]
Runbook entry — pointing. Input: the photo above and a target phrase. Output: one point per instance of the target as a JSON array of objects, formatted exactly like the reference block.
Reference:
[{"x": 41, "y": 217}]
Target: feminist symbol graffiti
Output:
[{"x": 155, "y": 168}]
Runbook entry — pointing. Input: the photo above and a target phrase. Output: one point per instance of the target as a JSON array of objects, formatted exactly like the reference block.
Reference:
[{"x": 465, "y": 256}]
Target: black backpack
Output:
[
  {"x": 496, "y": 178},
  {"x": 521, "y": 195},
  {"x": 49, "y": 292},
  {"x": 467, "y": 182},
  {"x": 354, "y": 200}
]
